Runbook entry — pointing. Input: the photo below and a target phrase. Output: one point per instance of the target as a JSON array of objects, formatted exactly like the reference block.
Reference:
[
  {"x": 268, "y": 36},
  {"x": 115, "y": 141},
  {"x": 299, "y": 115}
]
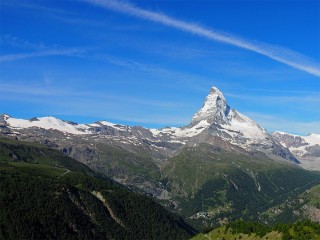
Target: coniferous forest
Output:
[{"x": 46, "y": 195}]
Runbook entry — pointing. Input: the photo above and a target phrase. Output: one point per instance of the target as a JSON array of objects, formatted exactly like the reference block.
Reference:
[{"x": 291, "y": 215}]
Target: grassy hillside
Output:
[
  {"x": 46, "y": 195},
  {"x": 304, "y": 230},
  {"x": 212, "y": 186}
]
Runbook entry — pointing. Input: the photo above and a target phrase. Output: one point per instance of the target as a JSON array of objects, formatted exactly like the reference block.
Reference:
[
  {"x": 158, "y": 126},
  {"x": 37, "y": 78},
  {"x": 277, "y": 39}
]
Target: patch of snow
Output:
[
  {"x": 116, "y": 126},
  {"x": 107, "y": 123},
  {"x": 176, "y": 141},
  {"x": 247, "y": 127},
  {"x": 306, "y": 141},
  {"x": 94, "y": 125},
  {"x": 312, "y": 139},
  {"x": 298, "y": 145},
  {"x": 189, "y": 132},
  {"x": 49, "y": 123},
  {"x": 299, "y": 151},
  {"x": 284, "y": 133},
  {"x": 182, "y": 132},
  {"x": 240, "y": 124},
  {"x": 155, "y": 131}
]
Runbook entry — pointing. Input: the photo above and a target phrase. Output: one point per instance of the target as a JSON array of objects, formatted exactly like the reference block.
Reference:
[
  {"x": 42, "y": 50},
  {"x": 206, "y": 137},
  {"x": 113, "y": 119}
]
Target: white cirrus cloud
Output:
[
  {"x": 46, "y": 53},
  {"x": 280, "y": 54}
]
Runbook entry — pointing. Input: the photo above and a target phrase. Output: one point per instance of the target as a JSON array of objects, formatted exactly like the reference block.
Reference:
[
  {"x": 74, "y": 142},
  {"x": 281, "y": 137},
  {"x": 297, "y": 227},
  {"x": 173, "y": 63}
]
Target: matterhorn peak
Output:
[
  {"x": 215, "y": 91},
  {"x": 214, "y": 108}
]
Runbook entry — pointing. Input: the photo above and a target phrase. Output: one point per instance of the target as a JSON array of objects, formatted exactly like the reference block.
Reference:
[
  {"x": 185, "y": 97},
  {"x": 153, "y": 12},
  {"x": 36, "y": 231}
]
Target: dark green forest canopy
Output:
[{"x": 46, "y": 195}]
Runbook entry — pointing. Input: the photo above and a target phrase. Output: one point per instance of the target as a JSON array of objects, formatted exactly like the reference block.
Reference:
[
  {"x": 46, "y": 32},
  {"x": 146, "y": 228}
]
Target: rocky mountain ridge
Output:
[{"x": 304, "y": 148}]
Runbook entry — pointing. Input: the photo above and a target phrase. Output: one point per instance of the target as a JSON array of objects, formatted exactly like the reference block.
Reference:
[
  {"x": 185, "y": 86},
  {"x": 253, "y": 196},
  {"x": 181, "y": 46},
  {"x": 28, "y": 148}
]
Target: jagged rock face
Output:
[
  {"x": 305, "y": 148},
  {"x": 301, "y": 146},
  {"x": 288, "y": 140},
  {"x": 214, "y": 109}
]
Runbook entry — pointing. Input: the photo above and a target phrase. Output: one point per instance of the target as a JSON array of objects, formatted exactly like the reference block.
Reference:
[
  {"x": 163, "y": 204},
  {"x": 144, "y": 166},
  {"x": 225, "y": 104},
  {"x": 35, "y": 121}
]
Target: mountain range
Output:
[
  {"x": 214, "y": 123},
  {"x": 221, "y": 166}
]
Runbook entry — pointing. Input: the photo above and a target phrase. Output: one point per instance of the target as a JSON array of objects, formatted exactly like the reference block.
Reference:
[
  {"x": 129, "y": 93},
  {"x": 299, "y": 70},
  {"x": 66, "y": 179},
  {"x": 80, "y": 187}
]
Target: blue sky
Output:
[{"x": 152, "y": 63}]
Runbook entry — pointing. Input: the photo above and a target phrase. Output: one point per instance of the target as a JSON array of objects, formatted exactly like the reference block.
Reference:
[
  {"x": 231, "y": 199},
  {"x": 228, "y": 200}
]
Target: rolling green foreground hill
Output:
[
  {"x": 304, "y": 230},
  {"x": 46, "y": 195}
]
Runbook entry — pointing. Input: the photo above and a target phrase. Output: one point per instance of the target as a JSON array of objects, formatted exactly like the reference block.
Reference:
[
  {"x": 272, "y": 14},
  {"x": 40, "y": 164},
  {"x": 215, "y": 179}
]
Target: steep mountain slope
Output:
[
  {"x": 209, "y": 185},
  {"x": 46, "y": 195},
  {"x": 305, "y": 148}
]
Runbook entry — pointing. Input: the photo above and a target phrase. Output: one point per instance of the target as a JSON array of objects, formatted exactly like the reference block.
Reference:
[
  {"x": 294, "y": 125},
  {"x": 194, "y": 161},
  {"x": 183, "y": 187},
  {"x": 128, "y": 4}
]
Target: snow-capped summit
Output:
[
  {"x": 214, "y": 109},
  {"x": 228, "y": 123},
  {"x": 231, "y": 124}
]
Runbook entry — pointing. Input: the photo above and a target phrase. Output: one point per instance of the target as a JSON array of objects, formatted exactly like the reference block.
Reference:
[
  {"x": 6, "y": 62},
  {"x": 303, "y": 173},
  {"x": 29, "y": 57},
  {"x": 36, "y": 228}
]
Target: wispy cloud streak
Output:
[
  {"x": 280, "y": 54},
  {"x": 20, "y": 56},
  {"x": 33, "y": 92},
  {"x": 129, "y": 64},
  {"x": 21, "y": 43}
]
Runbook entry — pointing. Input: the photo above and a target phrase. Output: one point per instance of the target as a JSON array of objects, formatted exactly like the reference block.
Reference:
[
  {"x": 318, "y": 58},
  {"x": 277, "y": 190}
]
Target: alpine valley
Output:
[{"x": 221, "y": 167}]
